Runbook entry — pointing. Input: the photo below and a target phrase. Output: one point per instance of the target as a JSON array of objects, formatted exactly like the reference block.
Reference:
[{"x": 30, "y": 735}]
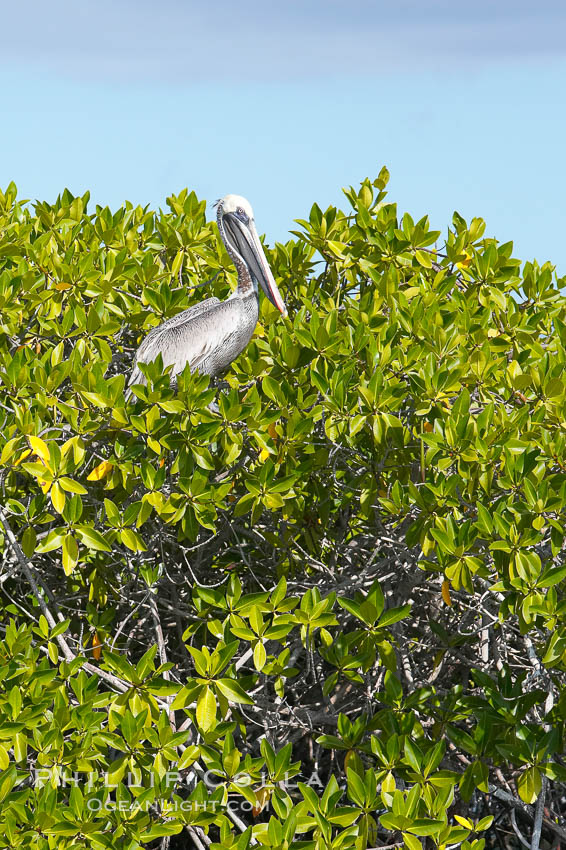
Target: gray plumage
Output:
[
  {"x": 208, "y": 335},
  {"x": 211, "y": 334}
]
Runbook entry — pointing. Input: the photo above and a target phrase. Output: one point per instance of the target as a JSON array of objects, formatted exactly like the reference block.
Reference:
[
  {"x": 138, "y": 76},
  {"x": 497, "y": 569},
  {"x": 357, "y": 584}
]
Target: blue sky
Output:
[{"x": 286, "y": 103}]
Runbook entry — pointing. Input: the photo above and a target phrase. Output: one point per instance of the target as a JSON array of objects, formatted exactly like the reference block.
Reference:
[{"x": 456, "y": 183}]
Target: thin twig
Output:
[
  {"x": 539, "y": 813},
  {"x": 197, "y": 838},
  {"x": 517, "y": 831},
  {"x": 162, "y": 652},
  {"x": 34, "y": 580}
]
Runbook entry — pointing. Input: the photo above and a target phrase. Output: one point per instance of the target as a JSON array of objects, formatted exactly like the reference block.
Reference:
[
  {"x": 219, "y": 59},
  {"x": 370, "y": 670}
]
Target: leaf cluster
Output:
[{"x": 316, "y": 604}]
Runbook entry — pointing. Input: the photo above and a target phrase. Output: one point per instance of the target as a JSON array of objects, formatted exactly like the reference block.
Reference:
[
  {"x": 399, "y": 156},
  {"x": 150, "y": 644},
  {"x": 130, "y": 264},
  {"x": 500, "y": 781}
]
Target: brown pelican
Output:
[{"x": 211, "y": 334}]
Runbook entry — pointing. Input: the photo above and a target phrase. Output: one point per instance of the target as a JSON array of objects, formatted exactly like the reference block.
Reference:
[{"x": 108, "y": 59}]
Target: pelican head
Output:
[{"x": 236, "y": 223}]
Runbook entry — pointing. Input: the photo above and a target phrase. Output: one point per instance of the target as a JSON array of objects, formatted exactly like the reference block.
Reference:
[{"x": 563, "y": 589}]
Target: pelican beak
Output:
[{"x": 250, "y": 249}]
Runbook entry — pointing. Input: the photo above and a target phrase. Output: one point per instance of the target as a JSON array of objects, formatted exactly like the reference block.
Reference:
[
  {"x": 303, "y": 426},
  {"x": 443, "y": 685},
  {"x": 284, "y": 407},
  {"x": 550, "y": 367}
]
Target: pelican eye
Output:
[{"x": 242, "y": 215}]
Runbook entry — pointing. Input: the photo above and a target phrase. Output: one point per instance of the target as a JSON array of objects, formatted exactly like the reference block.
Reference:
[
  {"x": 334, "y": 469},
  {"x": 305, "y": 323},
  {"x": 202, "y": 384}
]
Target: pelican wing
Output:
[
  {"x": 208, "y": 336},
  {"x": 156, "y": 340},
  {"x": 174, "y": 322}
]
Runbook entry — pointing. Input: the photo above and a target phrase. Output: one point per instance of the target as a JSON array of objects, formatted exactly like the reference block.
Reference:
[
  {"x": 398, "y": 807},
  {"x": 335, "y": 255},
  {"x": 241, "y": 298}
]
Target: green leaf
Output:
[
  {"x": 260, "y": 656},
  {"x": 233, "y": 691},
  {"x": 393, "y": 615},
  {"x": 529, "y": 784},
  {"x": 424, "y": 259},
  {"x": 411, "y": 841},
  {"x": 190, "y": 755},
  {"x": 206, "y": 709},
  {"x": 132, "y": 540},
  {"x": 426, "y": 826},
  {"x": 72, "y": 486},
  {"x": 70, "y": 554},
  {"x": 54, "y": 540},
  {"x": 92, "y": 538},
  {"x": 4, "y": 758}
]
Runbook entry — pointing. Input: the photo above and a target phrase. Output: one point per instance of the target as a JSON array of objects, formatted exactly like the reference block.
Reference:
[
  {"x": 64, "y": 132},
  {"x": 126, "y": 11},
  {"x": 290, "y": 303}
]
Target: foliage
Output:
[{"x": 317, "y": 604}]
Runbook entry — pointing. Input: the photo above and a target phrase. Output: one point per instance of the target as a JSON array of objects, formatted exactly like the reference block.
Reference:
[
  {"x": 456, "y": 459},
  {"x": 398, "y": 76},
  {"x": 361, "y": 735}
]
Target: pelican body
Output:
[{"x": 211, "y": 334}]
